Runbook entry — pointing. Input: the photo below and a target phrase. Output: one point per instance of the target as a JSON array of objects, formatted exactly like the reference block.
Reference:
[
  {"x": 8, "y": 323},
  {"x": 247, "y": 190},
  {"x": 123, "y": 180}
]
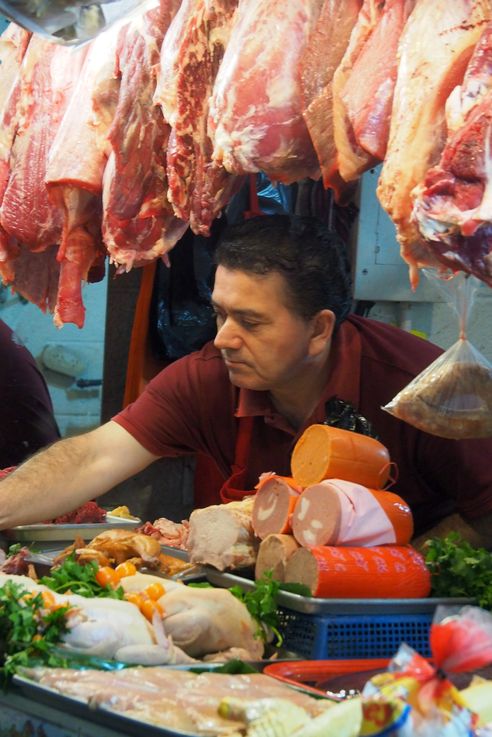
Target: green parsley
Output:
[
  {"x": 261, "y": 602},
  {"x": 79, "y": 579},
  {"x": 27, "y": 630},
  {"x": 459, "y": 570}
]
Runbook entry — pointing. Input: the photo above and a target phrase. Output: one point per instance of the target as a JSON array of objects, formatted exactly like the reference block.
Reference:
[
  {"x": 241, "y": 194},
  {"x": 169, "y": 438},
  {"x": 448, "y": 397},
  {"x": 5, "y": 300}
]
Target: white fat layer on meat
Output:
[
  {"x": 302, "y": 508},
  {"x": 316, "y": 524}
]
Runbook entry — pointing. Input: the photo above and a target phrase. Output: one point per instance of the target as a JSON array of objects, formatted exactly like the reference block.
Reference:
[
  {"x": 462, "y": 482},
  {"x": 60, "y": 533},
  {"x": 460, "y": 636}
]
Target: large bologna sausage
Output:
[
  {"x": 382, "y": 572},
  {"x": 337, "y": 512},
  {"x": 274, "y": 502},
  {"x": 273, "y": 554},
  {"x": 324, "y": 452}
]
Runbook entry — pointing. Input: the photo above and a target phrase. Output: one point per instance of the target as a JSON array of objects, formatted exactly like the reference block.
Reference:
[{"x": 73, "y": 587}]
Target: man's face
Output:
[{"x": 264, "y": 344}]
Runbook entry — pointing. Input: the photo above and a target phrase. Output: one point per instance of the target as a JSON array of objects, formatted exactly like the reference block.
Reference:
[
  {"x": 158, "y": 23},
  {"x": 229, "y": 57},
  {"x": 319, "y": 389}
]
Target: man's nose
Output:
[{"x": 227, "y": 337}]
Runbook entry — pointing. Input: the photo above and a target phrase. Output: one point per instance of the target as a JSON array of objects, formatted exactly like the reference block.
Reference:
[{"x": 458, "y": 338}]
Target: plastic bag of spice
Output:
[
  {"x": 418, "y": 697},
  {"x": 452, "y": 397}
]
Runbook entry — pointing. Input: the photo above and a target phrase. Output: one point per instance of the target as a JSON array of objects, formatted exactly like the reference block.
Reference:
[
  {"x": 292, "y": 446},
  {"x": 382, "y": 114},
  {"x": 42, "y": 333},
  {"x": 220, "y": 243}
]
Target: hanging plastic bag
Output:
[
  {"x": 451, "y": 398},
  {"x": 461, "y": 642},
  {"x": 181, "y": 316}
]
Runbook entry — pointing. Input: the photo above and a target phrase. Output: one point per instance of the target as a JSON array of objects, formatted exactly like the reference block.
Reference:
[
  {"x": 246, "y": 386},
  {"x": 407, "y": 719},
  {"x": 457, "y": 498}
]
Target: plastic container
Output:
[{"x": 329, "y": 637}]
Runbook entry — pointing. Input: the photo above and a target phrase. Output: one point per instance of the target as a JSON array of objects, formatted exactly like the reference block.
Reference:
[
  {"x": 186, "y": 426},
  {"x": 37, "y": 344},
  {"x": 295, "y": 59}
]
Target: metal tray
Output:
[
  {"x": 175, "y": 552},
  {"x": 67, "y": 533},
  {"x": 312, "y": 605},
  {"x": 104, "y": 716}
]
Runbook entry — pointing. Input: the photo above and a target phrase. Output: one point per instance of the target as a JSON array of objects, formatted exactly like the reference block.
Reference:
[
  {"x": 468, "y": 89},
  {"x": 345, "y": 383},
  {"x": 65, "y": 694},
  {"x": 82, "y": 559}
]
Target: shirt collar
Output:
[{"x": 343, "y": 381}]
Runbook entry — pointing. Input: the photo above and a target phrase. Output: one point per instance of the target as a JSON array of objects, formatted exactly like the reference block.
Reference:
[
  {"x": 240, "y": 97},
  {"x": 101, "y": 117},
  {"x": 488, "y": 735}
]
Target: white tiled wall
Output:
[{"x": 76, "y": 409}]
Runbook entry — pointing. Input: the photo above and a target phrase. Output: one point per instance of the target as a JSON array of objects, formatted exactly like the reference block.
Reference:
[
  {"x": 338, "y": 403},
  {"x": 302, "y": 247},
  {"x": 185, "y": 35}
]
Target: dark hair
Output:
[{"x": 312, "y": 259}]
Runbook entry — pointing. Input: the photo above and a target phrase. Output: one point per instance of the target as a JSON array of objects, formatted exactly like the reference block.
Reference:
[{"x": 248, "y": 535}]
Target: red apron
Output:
[{"x": 233, "y": 489}]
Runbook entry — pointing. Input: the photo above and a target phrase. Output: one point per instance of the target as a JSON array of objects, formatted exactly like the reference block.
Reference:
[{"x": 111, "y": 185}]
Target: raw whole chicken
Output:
[
  {"x": 202, "y": 621},
  {"x": 109, "y": 628}
]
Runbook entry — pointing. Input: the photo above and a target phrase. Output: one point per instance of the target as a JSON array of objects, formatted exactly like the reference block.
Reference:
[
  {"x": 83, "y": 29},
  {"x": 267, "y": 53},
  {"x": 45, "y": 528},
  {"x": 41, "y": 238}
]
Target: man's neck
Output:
[{"x": 298, "y": 401}]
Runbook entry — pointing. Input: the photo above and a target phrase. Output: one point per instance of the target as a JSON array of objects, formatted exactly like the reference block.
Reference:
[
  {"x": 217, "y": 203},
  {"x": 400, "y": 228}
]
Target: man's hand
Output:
[{"x": 68, "y": 473}]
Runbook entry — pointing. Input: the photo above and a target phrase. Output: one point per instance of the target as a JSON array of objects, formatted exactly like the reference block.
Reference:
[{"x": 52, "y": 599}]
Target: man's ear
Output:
[{"x": 323, "y": 324}]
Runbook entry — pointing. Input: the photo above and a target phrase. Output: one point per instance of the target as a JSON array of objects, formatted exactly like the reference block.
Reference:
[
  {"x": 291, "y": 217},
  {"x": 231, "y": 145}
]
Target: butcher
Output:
[{"x": 288, "y": 353}]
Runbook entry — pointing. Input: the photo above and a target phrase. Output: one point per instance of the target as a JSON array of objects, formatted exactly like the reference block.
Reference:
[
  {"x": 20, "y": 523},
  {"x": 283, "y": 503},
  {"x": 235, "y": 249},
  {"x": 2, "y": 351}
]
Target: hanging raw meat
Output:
[
  {"x": 256, "y": 118},
  {"x": 190, "y": 58},
  {"x": 453, "y": 207},
  {"x": 435, "y": 48},
  {"x": 48, "y": 75},
  {"x": 30, "y": 223},
  {"x": 75, "y": 173},
  {"x": 13, "y": 45},
  {"x": 363, "y": 86},
  {"x": 138, "y": 223},
  {"x": 323, "y": 54},
  {"x": 33, "y": 275}
]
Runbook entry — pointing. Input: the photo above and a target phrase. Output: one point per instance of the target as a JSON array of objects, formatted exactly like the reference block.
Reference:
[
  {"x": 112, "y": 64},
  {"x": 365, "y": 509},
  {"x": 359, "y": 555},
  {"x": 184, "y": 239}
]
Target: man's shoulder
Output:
[
  {"x": 390, "y": 345},
  {"x": 202, "y": 366}
]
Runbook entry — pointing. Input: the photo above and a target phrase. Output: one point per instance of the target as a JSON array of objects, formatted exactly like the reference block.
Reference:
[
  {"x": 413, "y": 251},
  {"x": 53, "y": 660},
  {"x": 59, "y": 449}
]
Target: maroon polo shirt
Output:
[
  {"x": 192, "y": 406},
  {"x": 27, "y": 422}
]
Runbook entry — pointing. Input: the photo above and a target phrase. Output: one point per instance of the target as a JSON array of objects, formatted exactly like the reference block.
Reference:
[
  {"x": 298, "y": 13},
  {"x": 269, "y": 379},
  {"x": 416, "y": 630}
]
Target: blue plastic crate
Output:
[{"x": 346, "y": 636}]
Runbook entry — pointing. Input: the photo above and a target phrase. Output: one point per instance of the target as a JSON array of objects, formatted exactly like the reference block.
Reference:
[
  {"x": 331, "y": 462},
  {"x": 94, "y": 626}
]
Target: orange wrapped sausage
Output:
[
  {"x": 337, "y": 512},
  {"x": 381, "y": 572},
  {"x": 273, "y": 505},
  {"x": 324, "y": 452}
]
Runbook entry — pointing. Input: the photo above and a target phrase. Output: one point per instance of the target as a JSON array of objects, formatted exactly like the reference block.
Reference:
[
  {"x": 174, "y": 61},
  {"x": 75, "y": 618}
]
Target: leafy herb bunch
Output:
[
  {"x": 79, "y": 579},
  {"x": 28, "y": 629},
  {"x": 459, "y": 570}
]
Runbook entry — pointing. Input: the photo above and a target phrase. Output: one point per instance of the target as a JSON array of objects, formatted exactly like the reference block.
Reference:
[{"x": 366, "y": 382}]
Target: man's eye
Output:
[{"x": 248, "y": 325}]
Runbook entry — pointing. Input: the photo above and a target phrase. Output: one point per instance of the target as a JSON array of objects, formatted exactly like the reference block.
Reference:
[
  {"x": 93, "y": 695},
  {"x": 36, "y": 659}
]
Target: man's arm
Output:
[
  {"x": 477, "y": 532},
  {"x": 70, "y": 472}
]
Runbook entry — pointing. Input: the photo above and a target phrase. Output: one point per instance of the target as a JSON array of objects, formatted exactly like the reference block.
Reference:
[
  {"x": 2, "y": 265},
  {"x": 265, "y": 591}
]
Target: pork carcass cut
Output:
[
  {"x": 48, "y": 75},
  {"x": 323, "y": 54},
  {"x": 190, "y": 58},
  {"x": 138, "y": 223},
  {"x": 363, "y": 86},
  {"x": 453, "y": 206},
  {"x": 255, "y": 118},
  {"x": 434, "y": 50},
  {"x": 222, "y": 535}
]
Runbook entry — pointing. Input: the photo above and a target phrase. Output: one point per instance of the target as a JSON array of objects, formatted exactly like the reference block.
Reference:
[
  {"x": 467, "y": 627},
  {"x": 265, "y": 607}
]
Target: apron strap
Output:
[{"x": 233, "y": 489}]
